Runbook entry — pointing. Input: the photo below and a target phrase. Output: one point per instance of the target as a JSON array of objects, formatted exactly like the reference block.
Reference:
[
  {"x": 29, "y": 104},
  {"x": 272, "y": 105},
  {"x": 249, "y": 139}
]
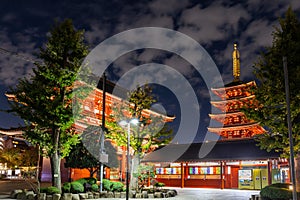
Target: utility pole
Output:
[
  {"x": 287, "y": 95},
  {"x": 103, "y": 131}
]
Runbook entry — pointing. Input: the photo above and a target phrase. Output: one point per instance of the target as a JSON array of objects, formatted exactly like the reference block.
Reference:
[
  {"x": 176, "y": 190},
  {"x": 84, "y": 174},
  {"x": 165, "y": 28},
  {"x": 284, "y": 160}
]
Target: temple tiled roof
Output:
[{"x": 227, "y": 150}]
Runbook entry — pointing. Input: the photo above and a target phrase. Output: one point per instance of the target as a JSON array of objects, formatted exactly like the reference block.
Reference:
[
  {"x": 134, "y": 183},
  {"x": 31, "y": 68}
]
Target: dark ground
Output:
[{"x": 6, "y": 186}]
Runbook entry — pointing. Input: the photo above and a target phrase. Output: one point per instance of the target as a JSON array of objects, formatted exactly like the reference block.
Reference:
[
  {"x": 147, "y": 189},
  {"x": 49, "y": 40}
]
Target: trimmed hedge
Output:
[
  {"x": 95, "y": 188},
  {"x": 91, "y": 180},
  {"x": 277, "y": 191},
  {"x": 76, "y": 187},
  {"x": 117, "y": 186},
  {"x": 107, "y": 184},
  {"x": 66, "y": 188},
  {"x": 82, "y": 181},
  {"x": 90, "y": 184},
  {"x": 159, "y": 184},
  {"x": 50, "y": 190}
]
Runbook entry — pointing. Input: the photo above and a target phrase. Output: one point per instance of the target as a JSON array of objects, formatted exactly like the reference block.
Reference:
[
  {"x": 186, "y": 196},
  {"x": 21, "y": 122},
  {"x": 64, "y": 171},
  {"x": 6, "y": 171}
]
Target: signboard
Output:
[
  {"x": 103, "y": 158},
  {"x": 245, "y": 179},
  {"x": 245, "y": 174}
]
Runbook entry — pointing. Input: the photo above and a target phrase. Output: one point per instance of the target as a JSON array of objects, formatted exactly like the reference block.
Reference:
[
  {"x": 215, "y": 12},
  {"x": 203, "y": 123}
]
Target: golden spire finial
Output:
[{"x": 236, "y": 63}]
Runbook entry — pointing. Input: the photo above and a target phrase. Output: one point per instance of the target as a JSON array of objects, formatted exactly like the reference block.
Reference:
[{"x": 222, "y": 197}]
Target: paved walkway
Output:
[
  {"x": 213, "y": 194},
  {"x": 183, "y": 193}
]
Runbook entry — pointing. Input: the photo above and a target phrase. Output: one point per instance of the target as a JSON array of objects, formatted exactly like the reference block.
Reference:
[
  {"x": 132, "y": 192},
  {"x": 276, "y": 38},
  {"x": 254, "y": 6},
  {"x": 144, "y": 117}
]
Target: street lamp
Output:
[{"x": 127, "y": 123}]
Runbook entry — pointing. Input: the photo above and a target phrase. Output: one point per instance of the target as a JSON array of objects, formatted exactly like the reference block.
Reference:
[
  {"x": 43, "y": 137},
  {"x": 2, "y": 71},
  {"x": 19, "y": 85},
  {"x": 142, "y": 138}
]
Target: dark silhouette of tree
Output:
[
  {"x": 271, "y": 109},
  {"x": 86, "y": 154}
]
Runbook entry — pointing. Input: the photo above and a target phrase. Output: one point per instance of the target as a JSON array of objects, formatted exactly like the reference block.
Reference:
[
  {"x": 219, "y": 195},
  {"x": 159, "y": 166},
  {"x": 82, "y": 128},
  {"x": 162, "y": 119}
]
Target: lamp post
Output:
[
  {"x": 127, "y": 123},
  {"x": 291, "y": 145}
]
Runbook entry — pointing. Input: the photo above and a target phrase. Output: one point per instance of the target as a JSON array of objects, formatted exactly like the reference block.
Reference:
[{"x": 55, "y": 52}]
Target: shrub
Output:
[
  {"x": 91, "y": 180},
  {"x": 53, "y": 190},
  {"x": 278, "y": 191},
  {"x": 107, "y": 184},
  {"x": 66, "y": 188},
  {"x": 82, "y": 181},
  {"x": 95, "y": 188},
  {"x": 50, "y": 190},
  {"x": 43, "y": 190},
  {"x": 281, "y": 185},
  {"x": 117, "y": 186},
  {"x": 76, "y": 187},
  {"x": 159, "y": 184}
]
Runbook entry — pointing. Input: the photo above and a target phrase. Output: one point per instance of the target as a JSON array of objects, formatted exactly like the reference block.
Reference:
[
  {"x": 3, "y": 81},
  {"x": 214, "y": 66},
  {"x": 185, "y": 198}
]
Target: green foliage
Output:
[
  {"x": 76, "y": 187},
  {"x": 11, "y": 156},
  {"x": 281, "y": 185},
  {"x": 19, "y": 157},
  {"x": 91, "y": 180},
  {"x": 66, "y": 188},
  {"x": 53, "y": 190},
  {"x": 151, "y": 131},
  {"x": 44, "y": 100},
  {"x": 144, "y": 172},
  {"x": 87, "y": 158},
  {"x": 159, "y": 184},
  {"x": 117, "y": 186},
  {"x": 107, "y": 184},
  {"x": 82, "y": 181},
  {"x": 46, "y": 97},
  {"x": 276, "y": 192},
  {"x": 95, "y": 188},
  {"x": 270, "y": 93},
  {"x": 50, "y": 190}
]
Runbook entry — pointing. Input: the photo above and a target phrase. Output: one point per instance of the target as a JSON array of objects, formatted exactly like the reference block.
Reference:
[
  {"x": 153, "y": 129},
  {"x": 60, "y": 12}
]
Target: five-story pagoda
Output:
[{"x": 233, "y": 97}]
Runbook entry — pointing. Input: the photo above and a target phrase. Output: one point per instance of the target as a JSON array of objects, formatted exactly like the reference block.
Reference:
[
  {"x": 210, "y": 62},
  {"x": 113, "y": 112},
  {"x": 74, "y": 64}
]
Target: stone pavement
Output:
[{"x": 183, "y": 193}]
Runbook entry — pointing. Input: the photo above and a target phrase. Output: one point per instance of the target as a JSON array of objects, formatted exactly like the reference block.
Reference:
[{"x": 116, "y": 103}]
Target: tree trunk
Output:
[
  {"x": 297, "y": 169},
  {"x": 92, "y": 171},
  {"x": 55, "y": 160},
  {"x": 134, "y": 184},
  {"x": 55, "y": 169}
]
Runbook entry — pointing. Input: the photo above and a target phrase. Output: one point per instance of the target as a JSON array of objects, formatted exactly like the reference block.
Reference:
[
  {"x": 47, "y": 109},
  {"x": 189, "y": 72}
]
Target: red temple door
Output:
[{"x": 234, "y": 177}]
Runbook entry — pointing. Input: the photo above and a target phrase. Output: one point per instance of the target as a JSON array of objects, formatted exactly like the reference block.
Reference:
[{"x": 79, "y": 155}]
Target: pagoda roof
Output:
[
  {"x": 235, "y": 84},
  {"x": 223, "y": 150},
  {"x": 231, "y": 100},
  {"x": 221, "y": 92},
  {"x": 236, "y": 127},
  {"x": 224, "y": 114}
]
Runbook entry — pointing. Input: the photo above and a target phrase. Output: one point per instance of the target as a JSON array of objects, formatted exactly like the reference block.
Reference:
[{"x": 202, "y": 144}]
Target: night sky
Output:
[{"x": 216, "y": 25}]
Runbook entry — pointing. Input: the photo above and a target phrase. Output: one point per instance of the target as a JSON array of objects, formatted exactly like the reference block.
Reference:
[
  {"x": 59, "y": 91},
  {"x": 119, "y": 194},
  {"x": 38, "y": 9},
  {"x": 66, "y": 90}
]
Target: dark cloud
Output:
[{"x": 214, "y": 24}]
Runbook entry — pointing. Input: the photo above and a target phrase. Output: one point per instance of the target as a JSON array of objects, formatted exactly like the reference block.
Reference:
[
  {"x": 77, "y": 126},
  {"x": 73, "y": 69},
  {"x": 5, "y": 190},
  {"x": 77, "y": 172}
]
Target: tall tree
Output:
[
  {"x": 44, "y": 101},
  {"x": 270, "y": 93},
  {"x": 150, "y": 133}
]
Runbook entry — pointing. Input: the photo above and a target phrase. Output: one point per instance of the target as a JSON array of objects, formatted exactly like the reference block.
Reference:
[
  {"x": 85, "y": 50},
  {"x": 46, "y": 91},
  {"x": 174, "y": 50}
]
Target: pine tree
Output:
[
  {"x": 44, "y": 101},
  {"x": 270, "y": 94}
]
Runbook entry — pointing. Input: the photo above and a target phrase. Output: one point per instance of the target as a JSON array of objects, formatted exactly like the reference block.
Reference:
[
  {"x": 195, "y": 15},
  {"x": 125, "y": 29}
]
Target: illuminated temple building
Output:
[
  {"x": 92, "y": 108},
  {"x": 235, "y": 161}
]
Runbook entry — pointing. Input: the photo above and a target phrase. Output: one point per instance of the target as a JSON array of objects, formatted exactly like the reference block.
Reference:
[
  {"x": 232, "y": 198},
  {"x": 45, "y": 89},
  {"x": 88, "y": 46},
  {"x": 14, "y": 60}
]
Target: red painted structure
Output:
[{"x": 235, "y": 161}]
